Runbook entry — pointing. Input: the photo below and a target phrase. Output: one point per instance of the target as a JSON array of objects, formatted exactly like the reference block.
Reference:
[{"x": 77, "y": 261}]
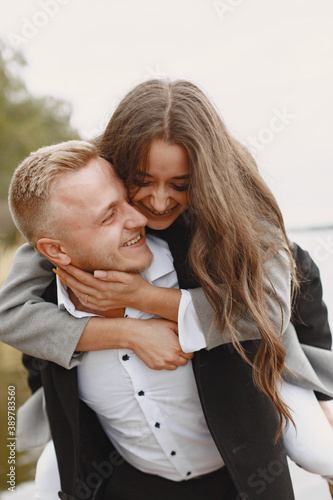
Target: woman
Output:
[
  {"x": 183, "y": 155},
  {"x": 237, "y": 227}
]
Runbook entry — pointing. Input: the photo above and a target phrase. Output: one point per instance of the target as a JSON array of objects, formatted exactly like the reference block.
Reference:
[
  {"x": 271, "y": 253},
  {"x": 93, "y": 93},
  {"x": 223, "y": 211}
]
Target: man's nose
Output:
[{"x": 134, "y": 218}]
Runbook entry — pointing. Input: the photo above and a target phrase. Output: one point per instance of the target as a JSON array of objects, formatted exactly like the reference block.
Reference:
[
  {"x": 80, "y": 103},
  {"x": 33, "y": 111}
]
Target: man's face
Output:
[{"x": 99, "y": 229}]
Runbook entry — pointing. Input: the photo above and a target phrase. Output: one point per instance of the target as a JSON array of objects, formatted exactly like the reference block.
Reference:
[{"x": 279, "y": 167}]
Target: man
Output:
[
  {"x": 74, "y": 225},
  {"x": 77, "y": 212}
]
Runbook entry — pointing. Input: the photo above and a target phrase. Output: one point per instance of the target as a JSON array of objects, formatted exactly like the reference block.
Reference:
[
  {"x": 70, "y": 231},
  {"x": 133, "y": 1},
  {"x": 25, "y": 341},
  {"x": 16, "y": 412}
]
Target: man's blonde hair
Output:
[{"x": 31, "y": 182}]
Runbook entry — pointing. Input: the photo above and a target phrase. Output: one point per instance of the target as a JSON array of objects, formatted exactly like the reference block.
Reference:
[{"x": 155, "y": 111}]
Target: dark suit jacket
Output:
[{"x": 241, "y": 419}]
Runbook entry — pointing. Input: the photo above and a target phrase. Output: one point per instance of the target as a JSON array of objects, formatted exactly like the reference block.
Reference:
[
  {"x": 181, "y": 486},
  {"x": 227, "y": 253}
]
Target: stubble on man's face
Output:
[{"x": 90, "y": 263}]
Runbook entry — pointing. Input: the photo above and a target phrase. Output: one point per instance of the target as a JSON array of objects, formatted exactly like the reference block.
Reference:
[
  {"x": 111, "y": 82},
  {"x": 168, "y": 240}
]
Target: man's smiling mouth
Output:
[{"x": 132, "y": 242}]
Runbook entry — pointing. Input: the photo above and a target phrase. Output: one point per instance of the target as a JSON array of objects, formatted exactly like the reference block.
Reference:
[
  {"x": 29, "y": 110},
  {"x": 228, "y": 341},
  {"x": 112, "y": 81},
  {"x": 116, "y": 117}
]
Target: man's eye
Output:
[
  {"x": 180, "y": 188},
  {"x": 105, "y": 221}
]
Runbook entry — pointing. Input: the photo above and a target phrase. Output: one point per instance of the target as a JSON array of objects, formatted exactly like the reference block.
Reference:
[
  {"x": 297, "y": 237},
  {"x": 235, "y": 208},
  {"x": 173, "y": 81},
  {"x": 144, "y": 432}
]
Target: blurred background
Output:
[{"x": 266, "y": 64}]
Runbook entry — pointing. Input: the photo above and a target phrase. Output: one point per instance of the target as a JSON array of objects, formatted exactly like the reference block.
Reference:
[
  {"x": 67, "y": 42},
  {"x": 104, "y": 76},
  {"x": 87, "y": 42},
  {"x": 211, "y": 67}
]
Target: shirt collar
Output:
[
  {"x": 162, "y": 262},
  {"x": 64, "y": 301}
]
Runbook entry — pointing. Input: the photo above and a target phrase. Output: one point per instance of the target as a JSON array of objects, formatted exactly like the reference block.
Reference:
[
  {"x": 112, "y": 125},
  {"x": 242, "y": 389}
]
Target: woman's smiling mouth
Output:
[{"x": 165, "y": 213}]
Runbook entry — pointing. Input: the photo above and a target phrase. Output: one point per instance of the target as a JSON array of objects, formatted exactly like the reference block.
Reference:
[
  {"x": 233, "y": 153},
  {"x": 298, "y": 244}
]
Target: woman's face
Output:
[{"x": 162, "y": 193}]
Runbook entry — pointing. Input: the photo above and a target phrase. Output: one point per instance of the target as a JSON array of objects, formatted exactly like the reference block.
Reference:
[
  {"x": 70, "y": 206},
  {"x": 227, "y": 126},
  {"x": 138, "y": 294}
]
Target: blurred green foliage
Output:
[{"x": 27, "y": 122}]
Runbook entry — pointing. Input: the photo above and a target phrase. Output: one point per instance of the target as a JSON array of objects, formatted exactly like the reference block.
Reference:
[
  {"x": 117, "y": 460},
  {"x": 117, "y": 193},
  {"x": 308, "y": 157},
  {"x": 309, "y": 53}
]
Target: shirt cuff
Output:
[
  {"x": 76, "y": 359},
  {"x": 191, "y": 336}
]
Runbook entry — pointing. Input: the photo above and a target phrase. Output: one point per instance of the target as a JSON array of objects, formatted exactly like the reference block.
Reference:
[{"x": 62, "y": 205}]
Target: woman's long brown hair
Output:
[{"x": 239, "y": 226}]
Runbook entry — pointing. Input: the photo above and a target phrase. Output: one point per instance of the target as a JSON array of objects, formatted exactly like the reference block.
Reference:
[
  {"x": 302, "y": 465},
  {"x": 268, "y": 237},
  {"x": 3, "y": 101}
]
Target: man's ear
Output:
[{"x": 53, "y": 250}]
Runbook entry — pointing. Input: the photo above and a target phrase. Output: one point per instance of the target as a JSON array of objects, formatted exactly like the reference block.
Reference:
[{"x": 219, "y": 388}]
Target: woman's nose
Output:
[{"x": 159, "y": 200}]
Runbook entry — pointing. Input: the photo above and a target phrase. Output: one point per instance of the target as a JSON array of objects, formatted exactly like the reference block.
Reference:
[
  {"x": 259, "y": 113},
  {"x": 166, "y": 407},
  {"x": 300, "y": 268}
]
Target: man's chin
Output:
[
  {"x": 132, "y": 266},
  {"x": 138, "y": 267}
]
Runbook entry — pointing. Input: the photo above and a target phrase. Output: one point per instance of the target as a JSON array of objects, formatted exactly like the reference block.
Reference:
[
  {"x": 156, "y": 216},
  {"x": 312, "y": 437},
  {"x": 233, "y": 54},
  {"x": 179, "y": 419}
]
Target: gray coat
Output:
[{"x": 42, "y": 330}]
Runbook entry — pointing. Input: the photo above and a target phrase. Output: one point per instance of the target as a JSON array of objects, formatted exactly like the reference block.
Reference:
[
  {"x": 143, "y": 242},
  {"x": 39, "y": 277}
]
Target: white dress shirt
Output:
[{"x": 153, "y": 417}]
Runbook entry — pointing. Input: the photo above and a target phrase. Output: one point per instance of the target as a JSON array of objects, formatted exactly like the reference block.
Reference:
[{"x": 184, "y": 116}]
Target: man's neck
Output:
[{"x": 112, "y": 313}]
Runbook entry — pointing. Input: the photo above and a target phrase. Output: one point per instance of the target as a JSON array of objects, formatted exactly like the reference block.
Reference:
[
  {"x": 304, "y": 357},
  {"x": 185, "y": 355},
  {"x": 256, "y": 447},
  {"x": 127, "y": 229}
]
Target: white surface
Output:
[
  {"x": 308, "y": 486},
  {"x": 255, "y": 59}
]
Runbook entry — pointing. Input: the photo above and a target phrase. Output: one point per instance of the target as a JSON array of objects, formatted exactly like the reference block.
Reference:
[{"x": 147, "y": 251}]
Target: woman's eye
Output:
[
  {"x": 140, "y": 183},
  {"x": 180, "y": 188}
]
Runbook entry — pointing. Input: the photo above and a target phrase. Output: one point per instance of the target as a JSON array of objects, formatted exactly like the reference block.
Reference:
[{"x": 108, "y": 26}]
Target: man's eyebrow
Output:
[{"x": 178, "y": 177}]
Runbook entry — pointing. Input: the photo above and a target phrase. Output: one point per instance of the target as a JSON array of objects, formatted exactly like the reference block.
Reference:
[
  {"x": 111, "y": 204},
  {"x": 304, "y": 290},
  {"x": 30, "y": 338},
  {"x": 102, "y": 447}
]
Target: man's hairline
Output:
[
  {"x": 48, "y": 202},
  {"x": 53, "y": 205}
]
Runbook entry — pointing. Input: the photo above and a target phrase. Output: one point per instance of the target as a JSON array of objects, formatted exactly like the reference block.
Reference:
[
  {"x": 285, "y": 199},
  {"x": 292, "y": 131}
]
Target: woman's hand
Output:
[
  {"x": 106, "y": 290},
  {"x": 156, "y": 342}
]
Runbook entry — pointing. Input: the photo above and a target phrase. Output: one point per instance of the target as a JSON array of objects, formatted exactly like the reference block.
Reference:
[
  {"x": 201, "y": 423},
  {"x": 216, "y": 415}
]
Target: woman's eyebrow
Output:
[
  {"x": 145, "y": 174},
  {"x": 186, "y": 176},
  {"x": 142, "y": 173}
]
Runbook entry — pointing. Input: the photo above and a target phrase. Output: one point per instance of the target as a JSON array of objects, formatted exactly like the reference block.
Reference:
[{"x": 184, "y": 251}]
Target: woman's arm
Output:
[
  {"x": 107, "y": 290},
  {"x": 155, "y": 341},
  {"x": 116, "y": 289},
  {"x": 278, "y": 304},
  {"x": 30, "y": 324},
  {"x": 40, "y": 329}
]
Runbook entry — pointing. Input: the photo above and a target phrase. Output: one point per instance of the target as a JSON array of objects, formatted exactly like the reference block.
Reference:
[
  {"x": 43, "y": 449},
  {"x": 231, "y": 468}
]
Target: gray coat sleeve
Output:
[
  {"x": 30, "y": 324},
  {"x": 278, "y": 276},
  {"x": 311, "y": 367}
]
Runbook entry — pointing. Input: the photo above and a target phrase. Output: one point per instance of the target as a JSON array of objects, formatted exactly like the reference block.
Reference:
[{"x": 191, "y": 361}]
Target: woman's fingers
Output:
[
  {"x": 80, "y": 275},
  {"x": 109, "y": 290},
  {"x": 112, "y": 276},
  {"x": 88, "y": 296},
  {"x": 74, "y": 284},
  {"x": 92, "y": 292},
  {"x": 94, "y": 280},
  {"x": 187, "y": 355}
]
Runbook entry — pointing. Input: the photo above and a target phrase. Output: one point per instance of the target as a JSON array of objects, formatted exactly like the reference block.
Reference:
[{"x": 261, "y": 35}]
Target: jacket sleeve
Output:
[
  {"x": 30, "y": 324},
  {"x": 310, "y": 312},
  {"x": 310, "y": 317},
  {"x": 277, "y": 278}
]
